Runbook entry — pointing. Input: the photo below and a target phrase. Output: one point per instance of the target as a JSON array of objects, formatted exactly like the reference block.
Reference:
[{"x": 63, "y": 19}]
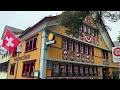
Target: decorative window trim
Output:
[{"x": 29, "y": 73}]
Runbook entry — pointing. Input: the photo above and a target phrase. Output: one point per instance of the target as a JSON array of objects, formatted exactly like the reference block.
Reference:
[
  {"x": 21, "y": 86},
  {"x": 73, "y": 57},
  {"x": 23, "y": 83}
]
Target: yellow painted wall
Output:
[
  {"x": 34, "y": 55},
  {"x": 102, "y": 42},
  {"x": 48, "y": 72},
  {"x": 58, "y": 29},
  {"x": 97, "y": 56}
]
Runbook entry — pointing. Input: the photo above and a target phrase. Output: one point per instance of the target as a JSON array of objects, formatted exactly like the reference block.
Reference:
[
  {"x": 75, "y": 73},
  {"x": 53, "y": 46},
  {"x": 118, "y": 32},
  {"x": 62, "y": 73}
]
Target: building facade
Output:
[{"x": 86, "y": 57}]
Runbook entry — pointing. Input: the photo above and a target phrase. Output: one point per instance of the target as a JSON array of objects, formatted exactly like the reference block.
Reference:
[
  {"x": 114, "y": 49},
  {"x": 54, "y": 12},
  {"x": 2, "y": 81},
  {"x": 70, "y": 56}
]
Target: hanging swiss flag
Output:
[{"x": 10, "y": 42}]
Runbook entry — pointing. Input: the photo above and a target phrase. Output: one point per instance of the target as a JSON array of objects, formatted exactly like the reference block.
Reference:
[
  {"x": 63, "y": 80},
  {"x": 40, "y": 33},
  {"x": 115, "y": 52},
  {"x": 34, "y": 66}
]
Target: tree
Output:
[
  {"x": 72, "y": 20},
  {"x": 118, "y": 38}
]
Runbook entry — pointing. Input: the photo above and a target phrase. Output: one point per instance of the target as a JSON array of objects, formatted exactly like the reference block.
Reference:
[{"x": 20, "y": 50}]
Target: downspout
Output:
[{"x": 43, "y": 59}]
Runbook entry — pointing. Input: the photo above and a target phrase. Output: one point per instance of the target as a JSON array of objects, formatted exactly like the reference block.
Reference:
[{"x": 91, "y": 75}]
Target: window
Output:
[
  {"x": 81, "y": 71},
  {"x": 81, "y": 48},
  {"x": 85, "y": 28},
  {"x": 34, "y": 43},
  {"x": 15, "y": 53},
  {"x": 93, "y": 32},
  {"x": 69, "y": 70},
  {"x": 28, "y": 68},
  {"x": 31, "y": 44},
  {"x": 62, "y": 70},
  {"x": 88, "y": 29},
  {"x": 105, "y": 54},
  {"x": 64, "y": 43},
  {"x": 80, "y": 28},
  {"x": 85, "y": 70},
  {"x": 96, "y": 34},
  {"x": 90, "y": 71},
  {"x": 71, "y": 45},
  {"x": 76, "y": 70},
  {"x": 90, "y": 50},
  {"x": 86, "y": 49},
  {"x": 12, "y": 69},
  {"x": 95, "y": 71},
  {"x": 49, "y": 65},
  {"x": 27, "y": 46},
  {"x": 55, "y": 69},
  {"x": 76, "y": 47}
]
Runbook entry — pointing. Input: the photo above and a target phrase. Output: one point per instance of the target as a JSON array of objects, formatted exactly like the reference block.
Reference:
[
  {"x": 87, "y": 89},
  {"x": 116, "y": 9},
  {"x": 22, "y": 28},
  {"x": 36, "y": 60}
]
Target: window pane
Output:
[
  {"x": 49, "y": 64},
  {"x": 32, "y": 67},
  {"x": 90, "y": 70},
  {"x": 90, "y": 49},
  {"x": 30, "y": 46},
  {"x": 34, "y": 44},
  {"x": 64, "y": 43},
  {"x": 81, "y": 48},
  {"x": 70, "y": 68},
  {"x": 86, "y": 49},
  {"x": 27, "y": 44},
  {"x": 84, "y": 28},
  {"x": 71, "y": 45},
  {"x": 55, "y": 67},
  {"x": 93, "y": 32},
  {"x": 76, "y": 47},
  {"x": 88, "y": 29}
]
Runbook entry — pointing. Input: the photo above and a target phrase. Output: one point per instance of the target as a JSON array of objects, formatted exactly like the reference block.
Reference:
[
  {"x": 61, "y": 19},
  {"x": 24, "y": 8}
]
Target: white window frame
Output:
[
  {"x": 65, "y": 41},
  {"x": 81, "y": 48},
  {"x": 89, "y": 29},
  {"x": 64, "y": 67},
  {"x": 86, "y": 49},
  {"x": 90, "y": 49},
  {"x": 81, "y": 70},
  {"x": 90, "y": 69},
  {"x": 54, "y": 67},
  {"x": 76, "y": 47},
  {"x": 84, "y": 28},
  {"x": 71, "y": 45},
  {"x": 70, "y": 68}
]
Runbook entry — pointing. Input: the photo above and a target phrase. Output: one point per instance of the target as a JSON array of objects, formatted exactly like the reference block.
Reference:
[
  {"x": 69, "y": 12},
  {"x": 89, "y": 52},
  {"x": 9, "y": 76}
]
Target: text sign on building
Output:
[{"x": 116, "y": 54}]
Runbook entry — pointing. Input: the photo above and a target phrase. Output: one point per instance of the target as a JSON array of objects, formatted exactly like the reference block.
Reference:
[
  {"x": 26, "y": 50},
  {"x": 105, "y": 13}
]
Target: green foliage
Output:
[
  {"x": 72, "y": 20},
  {"x": 118, "y": 38}
]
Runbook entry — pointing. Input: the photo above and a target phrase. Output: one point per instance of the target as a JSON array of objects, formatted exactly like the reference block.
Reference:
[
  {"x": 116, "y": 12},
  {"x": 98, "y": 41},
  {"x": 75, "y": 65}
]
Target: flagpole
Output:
[{"x": 16, "y": 66}]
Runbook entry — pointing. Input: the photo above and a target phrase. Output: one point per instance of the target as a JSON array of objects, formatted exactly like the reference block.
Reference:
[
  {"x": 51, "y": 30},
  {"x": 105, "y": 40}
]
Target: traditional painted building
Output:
[{"x": 48, "y": 50}]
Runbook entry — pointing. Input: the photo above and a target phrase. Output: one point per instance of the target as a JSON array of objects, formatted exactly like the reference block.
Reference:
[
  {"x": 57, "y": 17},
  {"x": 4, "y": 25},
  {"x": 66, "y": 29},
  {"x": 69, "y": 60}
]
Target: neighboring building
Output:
[
  {"x": 86, "y": 57},
  {"x": 5, "y": 57},
  {"x": 116, "y": 73}
]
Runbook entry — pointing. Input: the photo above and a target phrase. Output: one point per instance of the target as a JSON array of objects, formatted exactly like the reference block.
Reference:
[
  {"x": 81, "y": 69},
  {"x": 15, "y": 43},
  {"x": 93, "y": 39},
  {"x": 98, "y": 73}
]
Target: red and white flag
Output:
[{"x": 10, "y": 42}]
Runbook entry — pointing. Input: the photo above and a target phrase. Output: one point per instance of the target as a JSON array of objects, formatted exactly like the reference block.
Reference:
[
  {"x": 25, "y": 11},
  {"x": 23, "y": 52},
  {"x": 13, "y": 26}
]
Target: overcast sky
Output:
[{"x": 25, "y": 19}]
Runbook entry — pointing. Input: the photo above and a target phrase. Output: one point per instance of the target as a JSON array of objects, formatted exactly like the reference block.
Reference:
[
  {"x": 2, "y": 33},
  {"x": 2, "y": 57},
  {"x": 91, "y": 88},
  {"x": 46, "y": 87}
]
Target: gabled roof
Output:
[
  {"x": 45, "y": 19},
  {"x": 14, "y": 30}
]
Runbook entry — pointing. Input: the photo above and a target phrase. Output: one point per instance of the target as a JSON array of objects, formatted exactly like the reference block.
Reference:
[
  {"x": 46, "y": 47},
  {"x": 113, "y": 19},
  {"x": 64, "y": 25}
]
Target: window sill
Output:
[{"x": 31, "y": 50}]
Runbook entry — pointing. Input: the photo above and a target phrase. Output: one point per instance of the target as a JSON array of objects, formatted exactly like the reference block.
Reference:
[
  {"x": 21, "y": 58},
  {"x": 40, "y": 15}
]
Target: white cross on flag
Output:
[{"x": 10, "y": 42}]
